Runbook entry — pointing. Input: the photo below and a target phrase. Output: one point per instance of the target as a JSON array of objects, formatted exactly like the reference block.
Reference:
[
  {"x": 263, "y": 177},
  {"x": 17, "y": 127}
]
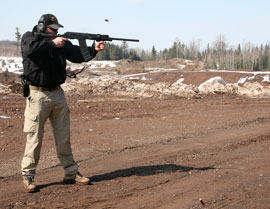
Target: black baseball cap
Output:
[{"x": 49, "y": 20}]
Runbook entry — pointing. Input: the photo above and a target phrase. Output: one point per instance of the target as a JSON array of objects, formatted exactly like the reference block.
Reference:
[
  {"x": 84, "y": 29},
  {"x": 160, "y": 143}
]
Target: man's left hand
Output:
[{"x": 100, "y": 46}]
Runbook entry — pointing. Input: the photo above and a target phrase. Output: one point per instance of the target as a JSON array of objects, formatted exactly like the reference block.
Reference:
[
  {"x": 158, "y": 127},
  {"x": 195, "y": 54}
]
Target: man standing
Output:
[{"x": 44, "y": 63}]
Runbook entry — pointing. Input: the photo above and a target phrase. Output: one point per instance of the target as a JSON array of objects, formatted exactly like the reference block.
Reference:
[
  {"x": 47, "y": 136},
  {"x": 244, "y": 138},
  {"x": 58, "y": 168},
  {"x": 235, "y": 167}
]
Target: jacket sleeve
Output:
[
  {"x": 32, "y": 46},
  {"x": 74, "y": 53}
]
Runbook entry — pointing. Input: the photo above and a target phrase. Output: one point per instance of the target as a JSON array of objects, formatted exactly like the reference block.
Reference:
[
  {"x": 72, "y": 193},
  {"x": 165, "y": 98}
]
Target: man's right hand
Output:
[{"x": 59, "y": 42}]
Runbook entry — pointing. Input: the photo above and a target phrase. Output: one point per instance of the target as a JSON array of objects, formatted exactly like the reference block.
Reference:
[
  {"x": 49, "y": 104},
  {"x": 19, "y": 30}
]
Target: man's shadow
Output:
[
  {"x": 146, "y": 171},
  {"x": 137, "y": 171}
]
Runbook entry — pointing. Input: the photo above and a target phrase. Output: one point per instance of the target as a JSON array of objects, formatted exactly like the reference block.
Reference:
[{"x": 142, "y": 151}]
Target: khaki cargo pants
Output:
[{"x": 41, "y": 105}]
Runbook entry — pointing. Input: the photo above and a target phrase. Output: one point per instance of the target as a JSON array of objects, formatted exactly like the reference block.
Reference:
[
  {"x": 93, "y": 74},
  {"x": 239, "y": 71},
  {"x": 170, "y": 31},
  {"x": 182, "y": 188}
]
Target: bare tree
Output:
[
  {"x": 220, "y": 47},
  {"x": 18, "y": 39}
]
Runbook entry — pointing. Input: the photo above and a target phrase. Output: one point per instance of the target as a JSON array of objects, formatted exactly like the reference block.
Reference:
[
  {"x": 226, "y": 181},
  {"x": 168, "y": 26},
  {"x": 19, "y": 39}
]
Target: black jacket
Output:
[{"x": 44, "y": 64}]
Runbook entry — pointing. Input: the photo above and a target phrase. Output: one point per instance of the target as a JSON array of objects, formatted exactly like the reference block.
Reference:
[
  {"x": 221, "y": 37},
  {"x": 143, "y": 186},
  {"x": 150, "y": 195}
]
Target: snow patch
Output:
[
  {"x": 180, "y": 80},
  {"x": 266, "y": 78},
  {"x": 243, "y": 80},
  {"x": 11, "y": 64},
  {"x": 4, "y": 116}
]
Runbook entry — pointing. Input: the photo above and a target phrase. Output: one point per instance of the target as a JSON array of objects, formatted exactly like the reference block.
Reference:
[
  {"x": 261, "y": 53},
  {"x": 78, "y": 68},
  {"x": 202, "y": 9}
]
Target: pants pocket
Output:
[{"x": 30, "y": 122}]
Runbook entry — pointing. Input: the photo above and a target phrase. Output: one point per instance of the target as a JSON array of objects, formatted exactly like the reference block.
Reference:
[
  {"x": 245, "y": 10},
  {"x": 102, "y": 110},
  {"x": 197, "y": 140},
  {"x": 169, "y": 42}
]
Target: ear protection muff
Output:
[{"x": 41, "y": 25}]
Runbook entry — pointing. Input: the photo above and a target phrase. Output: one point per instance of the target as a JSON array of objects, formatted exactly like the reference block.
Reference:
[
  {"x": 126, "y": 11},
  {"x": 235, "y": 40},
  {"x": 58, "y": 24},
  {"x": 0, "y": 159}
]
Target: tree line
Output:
[
  {"x": 218, "y": 55},
  {"x": 11, "y": 48}
]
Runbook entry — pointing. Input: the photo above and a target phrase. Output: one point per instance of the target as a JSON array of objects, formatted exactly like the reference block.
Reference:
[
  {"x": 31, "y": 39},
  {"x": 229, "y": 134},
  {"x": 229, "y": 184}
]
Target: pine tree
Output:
[{"x": 153, "y": 53}]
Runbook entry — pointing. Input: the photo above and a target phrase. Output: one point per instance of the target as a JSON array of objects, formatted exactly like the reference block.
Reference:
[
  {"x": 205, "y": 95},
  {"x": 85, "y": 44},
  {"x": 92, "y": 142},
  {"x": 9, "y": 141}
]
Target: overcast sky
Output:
[{"x": 154, "y": 22}]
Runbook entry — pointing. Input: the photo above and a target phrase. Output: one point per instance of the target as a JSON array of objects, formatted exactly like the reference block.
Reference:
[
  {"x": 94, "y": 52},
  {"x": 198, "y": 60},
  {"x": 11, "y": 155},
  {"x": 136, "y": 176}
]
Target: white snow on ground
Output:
[
  {"x": 181, "y": 66},
  {"x": 14, "y": 64},
  {"x": 266, "y": 78},
  {"x": 97, "y": 64},
  {"x": 212, "y": 85},
  {"x": 102, "y": 64},
  {"x": 128, "y": 86},
  {"x": 180, "y": 80},
  {"x": 4, "y": 116},
  {"x": 243, "y": 80},
  {"x": 11, "y": 64},
  {"x": 145, "y": 79},
  {"x": 149, "y": 70}
]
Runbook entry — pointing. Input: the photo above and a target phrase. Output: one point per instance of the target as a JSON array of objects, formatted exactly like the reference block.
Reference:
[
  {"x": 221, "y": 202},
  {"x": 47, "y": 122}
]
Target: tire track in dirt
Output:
[{"x": 245, "y": 197}]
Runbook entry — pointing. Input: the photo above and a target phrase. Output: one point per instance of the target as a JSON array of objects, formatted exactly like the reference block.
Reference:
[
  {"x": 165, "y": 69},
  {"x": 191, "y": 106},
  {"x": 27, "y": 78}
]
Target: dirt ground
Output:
[{"x": 147, "y": 153}]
